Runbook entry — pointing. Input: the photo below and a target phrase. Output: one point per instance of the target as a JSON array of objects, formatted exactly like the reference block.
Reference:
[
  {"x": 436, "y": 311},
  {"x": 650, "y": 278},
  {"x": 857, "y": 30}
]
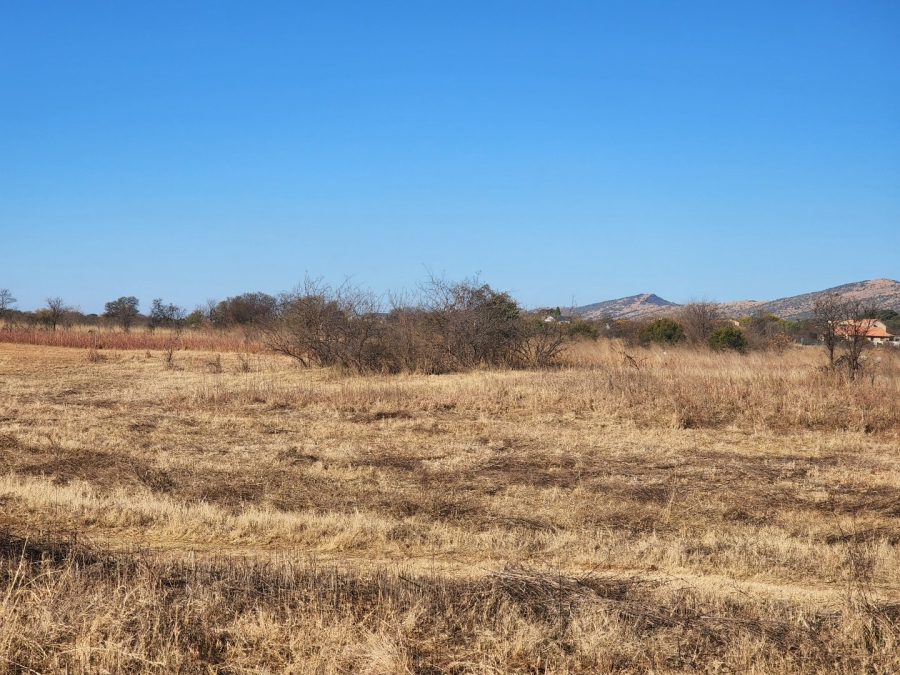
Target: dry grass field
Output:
[{"x": 653, "y": 513}]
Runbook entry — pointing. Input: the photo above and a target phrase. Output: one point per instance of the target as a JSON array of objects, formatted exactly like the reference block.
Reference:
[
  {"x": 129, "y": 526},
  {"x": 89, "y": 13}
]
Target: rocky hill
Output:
[
  {"x": 880, "y": 293},
  {"x": 633, "y": 307}
]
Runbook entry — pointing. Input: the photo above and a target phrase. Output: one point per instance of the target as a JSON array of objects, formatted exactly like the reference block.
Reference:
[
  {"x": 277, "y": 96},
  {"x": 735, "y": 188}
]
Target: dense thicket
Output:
[{"x": 449, "y": 327}]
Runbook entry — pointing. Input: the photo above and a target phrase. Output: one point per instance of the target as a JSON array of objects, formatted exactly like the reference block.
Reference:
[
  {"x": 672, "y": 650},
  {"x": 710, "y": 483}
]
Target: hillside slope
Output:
[
  {"x": 633, "y": 307},
  {"x": 880, "y": 293}
]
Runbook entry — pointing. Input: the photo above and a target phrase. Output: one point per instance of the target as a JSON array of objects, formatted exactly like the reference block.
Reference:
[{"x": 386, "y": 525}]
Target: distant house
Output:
[
  {"x": 873, "y": 330},
  {"x": 557, "y": 318}
]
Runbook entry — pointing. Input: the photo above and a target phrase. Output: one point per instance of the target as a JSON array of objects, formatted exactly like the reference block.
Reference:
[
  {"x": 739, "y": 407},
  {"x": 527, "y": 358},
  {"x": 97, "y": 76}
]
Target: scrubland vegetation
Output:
[{"x": 668, "y": 509}]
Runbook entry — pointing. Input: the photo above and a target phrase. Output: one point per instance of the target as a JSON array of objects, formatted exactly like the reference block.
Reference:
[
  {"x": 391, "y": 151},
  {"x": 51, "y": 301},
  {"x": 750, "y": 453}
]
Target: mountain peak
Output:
[{"x": 632, "y": 307}]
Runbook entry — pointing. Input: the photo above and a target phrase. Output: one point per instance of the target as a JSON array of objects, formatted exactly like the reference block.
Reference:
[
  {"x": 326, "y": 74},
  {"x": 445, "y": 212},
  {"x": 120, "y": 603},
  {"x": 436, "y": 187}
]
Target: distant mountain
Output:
[
  {"x": 880, "y": 293},
  {"x": 633, "y": 307}
]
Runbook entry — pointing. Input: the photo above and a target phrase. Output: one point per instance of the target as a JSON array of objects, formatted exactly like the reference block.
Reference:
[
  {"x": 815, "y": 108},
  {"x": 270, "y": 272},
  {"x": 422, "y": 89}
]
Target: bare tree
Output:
[
  {"x": 699, "y": 318},
  {"x": 123, "y": 311},
  {"x": 545, "y": 343},
  {"x": 7, "y": 302},
  {"x": 843, "y": 322},
  {"x": 55, "y": 311},
  {"x": 320, "y": 325},
  {"x": 829, "y": 310},
  {"x": 854, "y": 333}
]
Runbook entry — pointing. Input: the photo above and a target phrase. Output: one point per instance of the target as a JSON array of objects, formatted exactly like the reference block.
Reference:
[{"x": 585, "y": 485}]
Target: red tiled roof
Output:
[{"x": 857, "y": 328}]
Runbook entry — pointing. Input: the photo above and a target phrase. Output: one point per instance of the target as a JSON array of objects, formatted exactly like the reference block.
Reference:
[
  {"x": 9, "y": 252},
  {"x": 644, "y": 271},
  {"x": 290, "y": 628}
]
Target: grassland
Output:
[{"x": 649, "y": 513}]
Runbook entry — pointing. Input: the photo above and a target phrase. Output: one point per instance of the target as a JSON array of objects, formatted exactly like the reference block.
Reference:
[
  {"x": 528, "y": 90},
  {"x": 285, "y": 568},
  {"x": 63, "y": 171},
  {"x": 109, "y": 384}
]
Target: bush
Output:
[
  {"x": 580, "y": 329},
  {"x": 727, "y": 336},
  {"x": 452, "y": 327},
  {"x": 245, "y": 309},
  {"x": 472, "y": 325},
  {"x": 324, "y": 326},
  {"x": 663, "y": 331}
]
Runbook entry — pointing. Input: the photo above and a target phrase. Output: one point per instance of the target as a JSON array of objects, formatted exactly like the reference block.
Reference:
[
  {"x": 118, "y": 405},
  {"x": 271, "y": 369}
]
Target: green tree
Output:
[
  {"x": 663, "y": 331},
  {"x": 123, "y": 311},
  {"x": 580, "y": 329},
  {"x": 727, "y": 336},
  {"x": 244, "y": 309},
  {"x": 169, "y": 316}
]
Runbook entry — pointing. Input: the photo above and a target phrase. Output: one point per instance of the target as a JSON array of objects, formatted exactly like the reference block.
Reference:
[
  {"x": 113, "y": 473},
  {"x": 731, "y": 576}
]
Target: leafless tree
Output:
[
  {"x": 7, "y": 302},
  {"x": 854, "y": 332},
  {"x": 320, "y": 325},
  {"x": 829, "y": 309},
  {"x": 699, "y": 318},
  {"x": 55, "y": 311},
  {"x": 407, "y": 334},
  {"x": 843, "y": 322},
  {"x": 545, "y": 343}
]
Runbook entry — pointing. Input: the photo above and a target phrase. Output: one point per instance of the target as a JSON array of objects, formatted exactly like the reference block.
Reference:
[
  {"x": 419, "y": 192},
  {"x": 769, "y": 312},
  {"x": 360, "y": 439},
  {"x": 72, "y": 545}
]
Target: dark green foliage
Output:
[
  {"x": 580, "y": 329},
  {"x": 890, "y": 318},
  {"x": 663, "y": 331},
  {"x": 727, "y": 336},
  {"x": 245, "y": 309},
  {"x": 169, "y": 316},
  {"x": 195, "y": 319},
  {"x": 123, "y": 311}
]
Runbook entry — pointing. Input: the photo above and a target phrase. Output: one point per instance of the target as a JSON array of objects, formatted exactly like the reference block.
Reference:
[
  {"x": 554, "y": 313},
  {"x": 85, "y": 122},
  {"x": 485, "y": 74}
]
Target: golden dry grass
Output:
[
  {"x": 95, "y": 337},
  {"x": 649, "y": 512}
]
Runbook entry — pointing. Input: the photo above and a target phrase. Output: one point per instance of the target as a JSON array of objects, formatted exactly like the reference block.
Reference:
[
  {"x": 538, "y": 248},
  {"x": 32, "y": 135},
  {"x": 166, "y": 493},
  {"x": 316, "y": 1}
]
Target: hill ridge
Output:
[{"x": 882, "y": 292}]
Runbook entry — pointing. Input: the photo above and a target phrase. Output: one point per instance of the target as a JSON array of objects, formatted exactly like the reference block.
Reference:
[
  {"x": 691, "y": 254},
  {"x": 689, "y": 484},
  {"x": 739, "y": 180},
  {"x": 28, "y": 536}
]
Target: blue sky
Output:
[{"x": 584, "y": 150}]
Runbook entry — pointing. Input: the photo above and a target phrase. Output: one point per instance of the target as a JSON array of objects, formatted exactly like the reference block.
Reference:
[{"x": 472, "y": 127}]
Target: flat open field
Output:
[{"x": 229, "y": 513}]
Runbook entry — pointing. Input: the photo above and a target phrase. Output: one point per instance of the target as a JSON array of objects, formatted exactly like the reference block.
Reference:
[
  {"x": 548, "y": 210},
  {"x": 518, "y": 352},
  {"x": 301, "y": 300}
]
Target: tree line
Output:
[
  {"x": 450, "y": 326},
  {"x": 840, "y": 324},
  {"x": 443, "y": 327}
]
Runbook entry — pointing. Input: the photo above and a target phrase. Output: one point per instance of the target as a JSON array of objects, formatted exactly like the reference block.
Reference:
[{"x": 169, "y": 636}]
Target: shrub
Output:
[
  {"x": 452, "y": 327},
  {"x": 727, "y": 336},
  {"x": 580, "y": 329},
  {"x": 169, "y": 316},
  {"x": 699, "y": 318},
  {"x": 663, "y": 331},
  {"x": 324, "y": 326}
]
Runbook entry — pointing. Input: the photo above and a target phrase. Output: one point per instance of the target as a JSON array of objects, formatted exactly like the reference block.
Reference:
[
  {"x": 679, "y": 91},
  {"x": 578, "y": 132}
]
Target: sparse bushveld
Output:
[{"x": 631, "y": 511}]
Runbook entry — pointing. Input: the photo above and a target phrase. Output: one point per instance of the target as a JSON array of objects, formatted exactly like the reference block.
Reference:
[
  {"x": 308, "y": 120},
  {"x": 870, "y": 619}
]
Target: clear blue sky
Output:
[{"x": 190, "y": 150}]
